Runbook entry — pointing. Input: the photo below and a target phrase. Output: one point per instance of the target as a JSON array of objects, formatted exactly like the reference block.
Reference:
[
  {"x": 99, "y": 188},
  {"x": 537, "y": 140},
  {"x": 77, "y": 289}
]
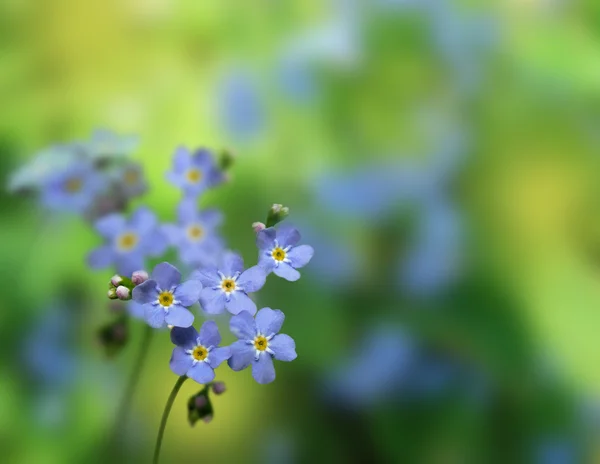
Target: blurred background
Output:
[{"x": 440, "y": 156}]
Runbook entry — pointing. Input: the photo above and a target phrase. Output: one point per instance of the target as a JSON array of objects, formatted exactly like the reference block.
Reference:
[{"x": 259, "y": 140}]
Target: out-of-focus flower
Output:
[
  {"x": 73, "y": 189},
  {"x": 137, "y": 310},
  {"x": 195, "y": 234},
  {"x": 194, "y": 173},
  {"x": 114, "y": 335},
  {"x": 228, "y": 286},
  {"x": 106, "y": 145},
  {"x": 558, "y": 450},
  {"x": 128, "y": 242},
  {"x": 130, "y": 180},
  {"x": 165, "y": 299},
  {"x": 198, "y": 355},
  {"x": 278, "y": 252},
  {"x": 259, "y": 343}
]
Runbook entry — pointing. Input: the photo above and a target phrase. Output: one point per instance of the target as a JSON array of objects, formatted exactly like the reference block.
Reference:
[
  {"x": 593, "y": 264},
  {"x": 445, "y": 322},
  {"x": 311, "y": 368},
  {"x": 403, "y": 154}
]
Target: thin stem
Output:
[
  {"x": 165, "y": 416},
  {"x": 134, "y": 377}
]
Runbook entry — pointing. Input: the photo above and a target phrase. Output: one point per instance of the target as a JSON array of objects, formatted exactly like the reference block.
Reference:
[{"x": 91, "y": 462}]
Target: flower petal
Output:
[
  {"x": 252, "y": 279},
  {"x": 154, "y": 243},
  {"x": 212, "y": 300},
  {"x": 201, "y": 373},
  {"x": 101, "y": 257},
  {"x": 179, "y": 316},
  {"x": 211, "y": 217},
  {"x": 188, "y": 292},
  {"x": 166, "y": 276},
  {"x": 243, "y": 326},
  {"x": 128, "y": 263},
  {"x": 218, "y": 355},
  {"x": 300, "y": 256},
  {"x": 209, "y": 334},
  {"x": 187, "y": 210},
  {"x": 287, "y": 235},
  {"x": 172, "y": 233},
  {"x": 184, "y": 336},
  {"x": 143, "y": 220},
  {"x": 239, "y": 302},
  {"x": 208, "y": 277},
  {"x": 242, "y": 355},
  {"x": 181, "y": 159},
  {"x": 263, "y": 370},
  {"x": 265, "y": 239},
  {"x": 284, "y": 347},
  {"x": 155, "y": 316},
  {"x": 287, "y": 272},
  {"x": 146, "y": 292},
  {"x": 269, "y": 321},
  {"x": 180, "y": 361},
  {"x": 232, "y": 263},
  {"x": 111, "y": 225}
]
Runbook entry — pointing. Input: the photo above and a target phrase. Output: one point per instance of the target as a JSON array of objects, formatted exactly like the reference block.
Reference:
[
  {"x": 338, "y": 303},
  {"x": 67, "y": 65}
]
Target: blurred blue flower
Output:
[
  {"x": 259, "y": 343},
  {"x": 240, "y": 105},
  {"x": 279, "y": 254},
  {"x": 128, "y": 242},
  {"x": 194, "y": 173},
  {"x": 165, "y": 299},
  {"x": 130, "y": 180},
  {"x": 73, "y": 189},
  {"x": 136, "y": 309},
  {"x": 195, "y": 235},
  {"x": 227, "y": 286},
  {"x": 198, "y": 355}
]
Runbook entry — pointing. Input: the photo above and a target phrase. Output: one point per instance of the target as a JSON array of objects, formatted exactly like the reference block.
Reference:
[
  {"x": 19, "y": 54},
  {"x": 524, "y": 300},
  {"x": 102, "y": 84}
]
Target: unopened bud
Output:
[
  {"x": 116, "y": 280},
  {"x": 123, "y": 293},
  {"x": 258, "y": 226},
  {"x": 218, "y": 388},
  {"x": 139, "y": 277},
  {"x": 113, "y": 336},
  {"x": 200, "y": 407},
  {"x": 276, "y": 214},
  {"x": 112, "y": 293},
  {"x": 200, "y": 401},
  {"x": 207, "y": 419}
]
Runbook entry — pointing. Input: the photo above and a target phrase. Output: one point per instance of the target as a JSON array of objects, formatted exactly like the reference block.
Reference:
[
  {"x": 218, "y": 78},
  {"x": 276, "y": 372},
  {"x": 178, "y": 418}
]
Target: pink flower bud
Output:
[
  {"x": 207, "y": 419},
  {"x": 200, "y": 401},
  {"x": 258, "y": 226},
  {"x": 218, "y": 388},
  {"x": 116, "y": 280},
  {"x": 123, "y": 293},
  {"x": 112, "y": 294},
  {"x": 139, "y": 277}
]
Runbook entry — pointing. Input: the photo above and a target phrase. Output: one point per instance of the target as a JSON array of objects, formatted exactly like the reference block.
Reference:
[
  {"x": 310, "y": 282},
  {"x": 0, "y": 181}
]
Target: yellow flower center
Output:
[
  {"x": 131, "y": 177},
  {"x": 195, "y": 232},
  {"x": 278, "y": 254},
  {"x": 165, "y": 298},
  {"x": 128, "y": 241},
  {"x": 228, "y": 285},
  {"x": 73, "y": 185},
  {"x": 194, "y": 175},
  {"x": 200, "y": 353},
  {"x": 261, "y": 343}
]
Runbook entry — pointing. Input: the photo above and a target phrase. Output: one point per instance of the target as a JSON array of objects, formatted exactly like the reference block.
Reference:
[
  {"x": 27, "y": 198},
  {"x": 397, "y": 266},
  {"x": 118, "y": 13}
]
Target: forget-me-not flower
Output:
[
  {"x": 227, "y": 286},
  {"x": 128, "y": 241},
  {"x": 197, "y": 355},
  {"x": 194, "y": 235},
  {"x": 194, "y": 173},
  {"x": 278, "y": 251},
  {"x": 165, "y": 299},
  {"x": 259, "y": 343}
]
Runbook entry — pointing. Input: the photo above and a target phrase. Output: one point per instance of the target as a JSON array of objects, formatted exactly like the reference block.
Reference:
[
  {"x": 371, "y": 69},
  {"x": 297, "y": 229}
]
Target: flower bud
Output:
[
  {"x": 139, "y": 277},
  {"x": 207, "y": 419},
  {"x": 112, "y": 293},
  {"x": 258, "y": 226},
  {"x": 114, "y": 335},
  {"x": 218, "y": 388},
  {"x": 276, "y": 214},
  {"x": 116, "y": 280},
  {"x": 123, "y": 293},
  {"x": 226, "y": 160},
  {"x": 200, "y": 407}
]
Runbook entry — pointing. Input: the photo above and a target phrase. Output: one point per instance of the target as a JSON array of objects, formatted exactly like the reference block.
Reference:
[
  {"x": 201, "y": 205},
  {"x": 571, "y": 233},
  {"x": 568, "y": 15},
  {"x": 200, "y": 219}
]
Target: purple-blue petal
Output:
[
  {"x": 155, "y": 316},
  {"x": 284, "y": 347},
  {"x": 201, "y": 373},
  {"x": 146, "y": 292},
  {"x": 212, "y": 300},
  {"x": 232, "y": 263},
  {"x": 110, "y": 226},
  {"x": 172, "y": 233},
  {"x": 181, "y": 159},
  {"x": 154, "y": 243},
  {"x": 242, "y": 355},
  {"x": 187, "y": 210},
  {"x": 188, "y": 292},
  {"x": 136, "y": 309},
  {"x": 243, "y": 326},
  {"x": 218, "y": 355},
  {"x": 180, "y": 361},
  {"x": 166, "y": 276},
  {"x": 209, "y": 334},
  {"x": 208, "y": 277},
  {"x": 128, "y": 263},
  {"x": 263, "y": 370},
  {"x": 179, "y": 316},
  {"x": 211, "y": 218},
  {"x": 101, "y": 257},
  {"x": 143, "y": 220},
  {"x": 184, "y": 336},
  {"x": 286, "y": 271},
  {"x": 300, "y": 256},
  {"x": 240, "y": 302},
  {"x": 287, "y": 235},
  {"x": 269, "y": 321},
  {"x": 252, "y": 279},
  {"x": 265, "y": 239}
]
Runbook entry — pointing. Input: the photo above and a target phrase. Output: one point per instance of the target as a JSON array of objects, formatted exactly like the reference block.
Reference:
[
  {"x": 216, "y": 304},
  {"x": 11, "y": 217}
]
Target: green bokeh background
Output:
[{"x": 529, "y": 195}]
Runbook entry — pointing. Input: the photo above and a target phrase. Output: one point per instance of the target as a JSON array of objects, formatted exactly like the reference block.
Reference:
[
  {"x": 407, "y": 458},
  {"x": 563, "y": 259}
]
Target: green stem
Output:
[{"x": 165, "y": 416}]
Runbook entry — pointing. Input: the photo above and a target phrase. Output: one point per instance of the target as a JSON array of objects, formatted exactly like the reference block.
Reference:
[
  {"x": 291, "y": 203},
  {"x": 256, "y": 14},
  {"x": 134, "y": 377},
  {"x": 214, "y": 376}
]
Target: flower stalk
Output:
[{"x": 165, "y": 417}]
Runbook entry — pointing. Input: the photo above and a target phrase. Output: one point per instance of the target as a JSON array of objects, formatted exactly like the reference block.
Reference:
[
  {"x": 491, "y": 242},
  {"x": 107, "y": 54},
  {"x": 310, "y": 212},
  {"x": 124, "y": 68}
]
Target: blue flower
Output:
[
  {"x": 72, "y": 189},
  {"x": 131, "y": 180},
  {"x": 278, "y": 251},
  {"x": 259, "y": 342},
  {"x": 165, "y": 299},
  {"x": 195, "y": 236},
  {"x": 198, "y": 355},
  {"x": 194, "y": 173},
  {"x": 136, "y": 309},
  {"x": 228, "y": 286},
  {"x": 128, "y": 242}
]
